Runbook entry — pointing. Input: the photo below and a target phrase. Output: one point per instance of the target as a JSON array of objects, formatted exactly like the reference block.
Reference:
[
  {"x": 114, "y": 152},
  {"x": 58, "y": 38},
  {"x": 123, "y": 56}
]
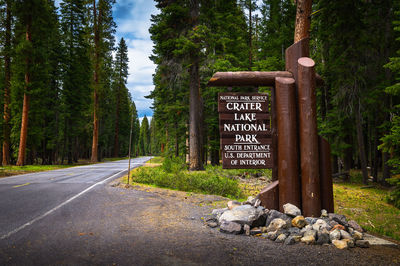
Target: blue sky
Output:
[{"x": 133, "y": 21}]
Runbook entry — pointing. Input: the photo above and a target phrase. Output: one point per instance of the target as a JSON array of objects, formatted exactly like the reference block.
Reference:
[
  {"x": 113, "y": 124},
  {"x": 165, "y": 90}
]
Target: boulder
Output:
[
  {"x": 250, "y": 201},
  {"x": 299, "y": 222},
  {"x": 291, "y": 210},
  {"x": 362, "y": 243},
  {"x": 312, "y": 233},
  {"x": 323, "y": 238},
  {"x": 244, "y": 214},
  {"x": 230, "y": 228},
  {"x": 273, "y": 214},
  {"x": 334, "y": 235},
  {"x": 345, "y": 235},
  {"x": 324, "y": 213},
  {"x": 290, "y": 240},
  {"x": 311, "y": 220},
  {"x": 340, "y": 244},
  {"x": 319, "y": 225},
  {"x": 308, "y": 240},
  {"x": 218, "y": 212},
  {"x": 353, "y": 224},
  {"x": 350, "y": 242},
  {"x": 276, "y": 224},
  {"x": 341, "y": 219},
  {"x": 281, "y": 238},
  {"x": 357, "y": 235},
  {"x": 294, "y": 231}
]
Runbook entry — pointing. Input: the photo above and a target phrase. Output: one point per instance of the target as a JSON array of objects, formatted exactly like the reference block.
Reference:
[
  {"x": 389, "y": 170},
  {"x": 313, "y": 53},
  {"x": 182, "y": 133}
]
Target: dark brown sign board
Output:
[{"x": 244, "y": 124}]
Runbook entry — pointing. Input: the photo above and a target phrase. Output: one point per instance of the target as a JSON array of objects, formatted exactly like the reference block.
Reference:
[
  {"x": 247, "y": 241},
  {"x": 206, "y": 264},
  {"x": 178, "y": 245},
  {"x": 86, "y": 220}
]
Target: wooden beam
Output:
[{"x": 250, "y": 78}]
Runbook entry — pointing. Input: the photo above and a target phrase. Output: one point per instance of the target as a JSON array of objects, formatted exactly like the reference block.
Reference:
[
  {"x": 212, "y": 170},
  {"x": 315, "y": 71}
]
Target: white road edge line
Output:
[{"x": 58, "y": 207}]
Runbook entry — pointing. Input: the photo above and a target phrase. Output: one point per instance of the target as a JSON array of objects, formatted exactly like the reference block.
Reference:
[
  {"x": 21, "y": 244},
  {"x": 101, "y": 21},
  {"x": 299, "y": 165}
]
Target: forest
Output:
[
  {"x": 63, "y": 78},
  {"x": 356, "y": 47}
]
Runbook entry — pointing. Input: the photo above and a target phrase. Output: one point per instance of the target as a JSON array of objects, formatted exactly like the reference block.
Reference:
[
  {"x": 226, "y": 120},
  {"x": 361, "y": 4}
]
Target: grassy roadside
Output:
[{"x": 366, "y": 205}]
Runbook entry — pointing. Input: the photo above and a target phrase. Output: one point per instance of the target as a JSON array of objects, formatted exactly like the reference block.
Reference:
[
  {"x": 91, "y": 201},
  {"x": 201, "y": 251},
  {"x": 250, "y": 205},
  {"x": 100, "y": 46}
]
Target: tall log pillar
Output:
[
  {"x": 325, "y": 169},
  {"x": 289, "y": 180},
  {"x": 309, "y": 153}
]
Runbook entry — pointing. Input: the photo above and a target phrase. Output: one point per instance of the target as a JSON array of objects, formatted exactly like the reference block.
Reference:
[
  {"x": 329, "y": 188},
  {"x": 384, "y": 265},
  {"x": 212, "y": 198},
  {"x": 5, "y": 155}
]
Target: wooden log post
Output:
[
  {"x": 288, "y": 173},
  {"x": 325, "y": 169},
  {"x": 309, "y": 153}
]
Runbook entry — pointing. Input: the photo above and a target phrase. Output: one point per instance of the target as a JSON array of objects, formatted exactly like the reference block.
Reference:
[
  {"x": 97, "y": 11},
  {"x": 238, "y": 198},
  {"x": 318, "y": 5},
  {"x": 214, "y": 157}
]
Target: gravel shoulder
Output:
[{"x": 142, "y": 225}]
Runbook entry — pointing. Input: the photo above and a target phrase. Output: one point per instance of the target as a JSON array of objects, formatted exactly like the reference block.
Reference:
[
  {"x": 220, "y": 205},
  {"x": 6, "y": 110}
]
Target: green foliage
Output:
[
  {"x": 394, "y": 196},
  {"x": 172, "y": 174}
]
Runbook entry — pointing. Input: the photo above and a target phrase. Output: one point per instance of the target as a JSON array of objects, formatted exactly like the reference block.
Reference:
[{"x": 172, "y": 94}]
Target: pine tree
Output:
[{"x": 144, "y": 137}]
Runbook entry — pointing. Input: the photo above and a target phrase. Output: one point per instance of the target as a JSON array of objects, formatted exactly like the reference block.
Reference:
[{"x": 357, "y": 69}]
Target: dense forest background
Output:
[
  {"x": 355, "y": 45},
  {"x": 63, "y": 78}
]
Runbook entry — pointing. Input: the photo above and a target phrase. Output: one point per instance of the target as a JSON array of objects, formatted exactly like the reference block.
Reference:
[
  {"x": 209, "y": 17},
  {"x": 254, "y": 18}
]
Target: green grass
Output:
[
  {"x": 157, "y": 159},
  {"x": 173, "y": 174},
  {"x": 10, "y": 170},
  {"x": 367, "y": 206}
]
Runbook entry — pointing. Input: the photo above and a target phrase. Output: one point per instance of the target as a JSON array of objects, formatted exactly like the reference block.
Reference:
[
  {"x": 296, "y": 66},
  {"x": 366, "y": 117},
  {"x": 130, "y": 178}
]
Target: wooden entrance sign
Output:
[{"x": 244, "y": 126}]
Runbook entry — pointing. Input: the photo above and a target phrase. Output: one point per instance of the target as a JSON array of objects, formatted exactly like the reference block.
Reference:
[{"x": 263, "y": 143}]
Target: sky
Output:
[{"x": 133, "y": 22}]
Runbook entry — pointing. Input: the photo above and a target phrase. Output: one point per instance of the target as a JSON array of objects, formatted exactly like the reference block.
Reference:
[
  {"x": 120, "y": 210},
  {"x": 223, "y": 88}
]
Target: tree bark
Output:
[
  {"x": 303, "y": 20},
  {"x": 7, "y": 81},
  {"x": 116, "y": 131},
  {"x": 361, "y": 145},
  {"x": 195, "y": 140},
  {"x": 25, "y": 107},
  {"x": 95, "y": 141}
]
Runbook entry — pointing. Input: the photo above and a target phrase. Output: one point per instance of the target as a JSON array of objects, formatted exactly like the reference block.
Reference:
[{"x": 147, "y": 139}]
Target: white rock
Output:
[
  {"x": 291, "y": 210},
  {"x": 334, "y": 235}
]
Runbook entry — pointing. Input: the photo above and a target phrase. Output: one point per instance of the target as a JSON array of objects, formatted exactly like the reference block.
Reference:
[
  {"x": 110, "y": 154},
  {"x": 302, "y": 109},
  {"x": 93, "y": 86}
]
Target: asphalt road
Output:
[
  {"x": 25, "y": 199},
  {"x": 85, "y": 221}
]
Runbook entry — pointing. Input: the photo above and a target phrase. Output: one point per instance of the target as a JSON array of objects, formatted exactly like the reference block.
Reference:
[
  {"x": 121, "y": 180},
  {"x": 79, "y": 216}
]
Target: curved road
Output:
[{"x": 25, "y": 199}]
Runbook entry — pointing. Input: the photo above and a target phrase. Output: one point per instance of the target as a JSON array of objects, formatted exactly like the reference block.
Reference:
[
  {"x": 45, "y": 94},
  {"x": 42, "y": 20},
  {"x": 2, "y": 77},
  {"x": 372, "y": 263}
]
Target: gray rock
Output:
[
  {"x": 323, "y": 238},
  {"x": 246, "y": 229},
  {"x": 257, "y": 203},
  {"x": 341, "y": 219},
  {"x": 333, "y": 223},
  {"x": 334, "y": 235},
  {"x": 276, "y": 224},
  {"x": 244, "y": 214},
  {"x": 294, "y": 231},
  {"x": 290, "y": 240},
  {"x": 306, "y": 228},
  {"x": 281, "y": 238},
  {"x": 218, "y": 212},
  {"x": 345, "y": 235},
  {"x": 362, "y": 243},
  {"x": 291, "y": 210},
  {"x": 324, "y": 213},
  {"x": 311, "y": 220},
  {"x": 230, "y": 228},
  {"x": 353, "y": 224},
  {"x": 350, "y": 230},
  {"x": 273, "y": 214}
]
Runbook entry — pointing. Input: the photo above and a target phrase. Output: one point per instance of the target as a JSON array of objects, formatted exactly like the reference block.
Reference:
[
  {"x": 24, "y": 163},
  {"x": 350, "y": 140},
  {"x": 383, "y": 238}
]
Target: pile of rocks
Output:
[{"x": 289, "y": 227}]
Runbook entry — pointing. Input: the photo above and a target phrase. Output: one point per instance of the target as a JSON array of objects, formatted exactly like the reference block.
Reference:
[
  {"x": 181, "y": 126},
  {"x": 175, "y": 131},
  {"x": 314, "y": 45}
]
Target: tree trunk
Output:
[
  {"x": 303, "y": 20},
  {"x": 250, "y": 37},
  {"x": 97, "y": 21},
  {"x": 361, "y": 145},
  {"x": 116, "y": 132},
  {"x": 195, "y": 140},
  {"x": 25, "y": 107},
  {"x": 7, "y": 81}
]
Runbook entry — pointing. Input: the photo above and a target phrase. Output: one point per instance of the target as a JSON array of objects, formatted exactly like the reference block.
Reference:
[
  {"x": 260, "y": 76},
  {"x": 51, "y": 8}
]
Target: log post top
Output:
[{"x": 251, "y": 78}]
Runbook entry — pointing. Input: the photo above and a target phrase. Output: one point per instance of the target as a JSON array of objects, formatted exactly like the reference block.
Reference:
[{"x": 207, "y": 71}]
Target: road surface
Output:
[{"x": 76, "y": 217}]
